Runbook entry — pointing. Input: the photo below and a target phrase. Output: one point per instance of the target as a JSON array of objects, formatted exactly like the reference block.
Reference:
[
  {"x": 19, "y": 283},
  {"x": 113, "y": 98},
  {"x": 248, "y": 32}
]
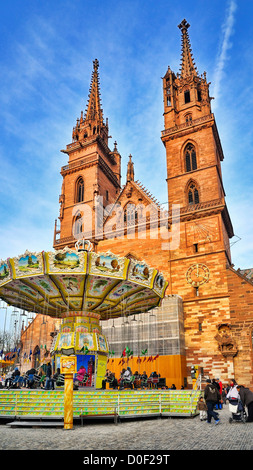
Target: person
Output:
[
  {"x": 211, "y": 396},
  {"x": 114, "y": 381},
  {"x": 106, "y": 378},
  {"x": 154, "y": 374},
  {"x": 30, "y": 377},
  {"x": 216, "y": 384},
  {"x": 220, "y": 385},
  {"x": 81, "y": 377},
  {"x": 55, "y": 377},
  {"x": 8, "y": 379},
  {"x": 120, "y": 381},
  {"x": 233, "y": 393},
  {"x": 219, "y": 382},
  {"x": 151, "y": 380},
  {"x": 137, "y": 379},
  {"x": 128, "y": 372},
  {"x": 224, "y": 395},
  {"x": 81, "y": 373},
  {"x": 202, "y": 407},
  {"x": 246, "y": 397},
  {"x": 144, "y": 379},
  {"x": 126, "y": 379},
  {"x": 155, "y": 379},
  {"x": 173, "y": 387},
  {"x": 109, "y": 377},
  {"x": 48, "y": 384},
  {"x": 16, "y": 377},
  {"x": 42, "y": 377}
]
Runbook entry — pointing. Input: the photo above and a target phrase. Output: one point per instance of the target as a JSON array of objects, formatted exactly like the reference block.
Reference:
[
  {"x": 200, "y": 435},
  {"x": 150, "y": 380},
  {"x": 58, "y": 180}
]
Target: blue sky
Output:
[{"x": 46, "y": 54}]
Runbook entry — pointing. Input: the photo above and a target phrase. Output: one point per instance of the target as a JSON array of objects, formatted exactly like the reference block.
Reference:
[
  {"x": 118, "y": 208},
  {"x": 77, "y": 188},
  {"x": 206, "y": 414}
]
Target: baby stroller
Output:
[{"x": 237, "y": 410}]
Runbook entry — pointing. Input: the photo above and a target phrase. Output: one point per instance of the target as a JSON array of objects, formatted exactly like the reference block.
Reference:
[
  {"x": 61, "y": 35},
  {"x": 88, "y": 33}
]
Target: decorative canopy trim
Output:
[{"x": 66, "y": 282}]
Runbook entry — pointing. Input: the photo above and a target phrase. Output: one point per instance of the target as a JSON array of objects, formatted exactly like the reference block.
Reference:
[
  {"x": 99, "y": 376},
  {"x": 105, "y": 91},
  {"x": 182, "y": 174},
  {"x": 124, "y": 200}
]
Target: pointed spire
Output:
[
  {"x": 187, "y": 63},
  {"x": 94, "y": 111},
  {"x": 130, "y": 169},
  {"x": 92, "y": 122}
]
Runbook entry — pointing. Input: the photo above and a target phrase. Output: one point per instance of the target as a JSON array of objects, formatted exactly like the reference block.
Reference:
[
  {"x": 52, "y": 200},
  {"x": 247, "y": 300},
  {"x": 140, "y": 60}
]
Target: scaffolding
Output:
[{"x": 159, "y": 331}]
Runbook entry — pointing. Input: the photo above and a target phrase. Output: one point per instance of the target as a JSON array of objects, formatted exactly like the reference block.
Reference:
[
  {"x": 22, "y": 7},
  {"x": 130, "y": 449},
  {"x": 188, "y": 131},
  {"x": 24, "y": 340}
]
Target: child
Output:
[{"x": 202, "y": 407}]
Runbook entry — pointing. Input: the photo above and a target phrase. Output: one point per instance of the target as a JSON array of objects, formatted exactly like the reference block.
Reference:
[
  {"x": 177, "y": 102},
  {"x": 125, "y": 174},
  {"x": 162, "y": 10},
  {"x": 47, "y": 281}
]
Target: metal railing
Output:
[
  {"x": 124, "y": 404},
  {"x": 185, "y": 125}
]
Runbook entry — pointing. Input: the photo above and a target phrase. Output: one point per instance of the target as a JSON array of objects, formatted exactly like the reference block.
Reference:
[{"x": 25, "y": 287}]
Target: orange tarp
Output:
[{"x": 173, "y": 368}]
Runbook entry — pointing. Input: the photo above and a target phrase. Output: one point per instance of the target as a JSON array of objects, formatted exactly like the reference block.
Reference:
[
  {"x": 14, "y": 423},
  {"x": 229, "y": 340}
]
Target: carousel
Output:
[{"x": 82, "y": 288}]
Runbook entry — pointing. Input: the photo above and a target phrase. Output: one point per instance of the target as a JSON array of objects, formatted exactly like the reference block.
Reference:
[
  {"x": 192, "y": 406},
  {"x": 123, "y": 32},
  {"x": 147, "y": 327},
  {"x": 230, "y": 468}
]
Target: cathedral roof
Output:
[
  {"x": 133, "y": 192},
  {"x": 140, "y": 187},
  {"x": 247, "y": 273}
]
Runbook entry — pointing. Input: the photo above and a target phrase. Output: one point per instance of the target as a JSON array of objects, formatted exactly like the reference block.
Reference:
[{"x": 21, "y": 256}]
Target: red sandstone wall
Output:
[{"x": 241, "y": 313}]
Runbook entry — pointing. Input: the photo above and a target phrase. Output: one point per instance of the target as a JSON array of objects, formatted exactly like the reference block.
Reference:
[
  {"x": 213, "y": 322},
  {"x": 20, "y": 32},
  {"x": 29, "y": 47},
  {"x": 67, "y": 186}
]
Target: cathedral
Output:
[{"x": 206, "y": 318}]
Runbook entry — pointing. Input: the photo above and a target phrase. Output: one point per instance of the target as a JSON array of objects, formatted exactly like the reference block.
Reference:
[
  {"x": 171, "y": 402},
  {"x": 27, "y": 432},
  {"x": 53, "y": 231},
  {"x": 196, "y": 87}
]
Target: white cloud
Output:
[{"x": 227, "y": 31}]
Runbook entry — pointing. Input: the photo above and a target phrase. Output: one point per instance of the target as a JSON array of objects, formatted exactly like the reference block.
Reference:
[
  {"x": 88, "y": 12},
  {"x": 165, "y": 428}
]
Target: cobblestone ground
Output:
[{"x": 151, "y": 434}]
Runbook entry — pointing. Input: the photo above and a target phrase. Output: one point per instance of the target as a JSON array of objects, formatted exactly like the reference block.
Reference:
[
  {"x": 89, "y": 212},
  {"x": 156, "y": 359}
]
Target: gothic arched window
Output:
[
  {"x": 79, "y": 190},
  {"x": 77, "y": 225},
  {"x": 130, "y": 214},
  {"x": 193, "y": 194},
  {"x": 190, "y": 158},
  {"x": 187, "y": 97}
]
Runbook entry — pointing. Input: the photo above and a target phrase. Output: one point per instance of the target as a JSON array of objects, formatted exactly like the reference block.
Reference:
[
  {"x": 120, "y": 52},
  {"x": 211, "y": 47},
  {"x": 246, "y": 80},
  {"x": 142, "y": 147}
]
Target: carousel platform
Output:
[
  {"x": 45, "y": 405},
  {"x": 35, "y": 424}
]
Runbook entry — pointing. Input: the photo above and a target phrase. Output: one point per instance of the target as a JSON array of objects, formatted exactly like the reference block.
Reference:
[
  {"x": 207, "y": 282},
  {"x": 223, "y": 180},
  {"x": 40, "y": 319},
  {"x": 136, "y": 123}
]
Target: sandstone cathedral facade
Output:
[{"x": 206, "y": 319}]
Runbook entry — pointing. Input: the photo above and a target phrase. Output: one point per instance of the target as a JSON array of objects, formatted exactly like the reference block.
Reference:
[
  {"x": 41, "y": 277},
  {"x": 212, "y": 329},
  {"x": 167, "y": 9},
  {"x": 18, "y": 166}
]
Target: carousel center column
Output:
[
  {"x": 68, "y": 368},
  {"x": 79, "y": 335}
]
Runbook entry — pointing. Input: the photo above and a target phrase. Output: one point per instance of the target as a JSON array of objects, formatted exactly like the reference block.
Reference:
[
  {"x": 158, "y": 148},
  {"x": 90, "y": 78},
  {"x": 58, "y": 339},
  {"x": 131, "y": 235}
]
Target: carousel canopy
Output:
[{"x": 65, "y": 282}]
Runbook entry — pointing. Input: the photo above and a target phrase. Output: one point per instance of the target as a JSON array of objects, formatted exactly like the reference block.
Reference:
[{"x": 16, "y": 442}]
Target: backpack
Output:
[{"x": 212, "y": 394}]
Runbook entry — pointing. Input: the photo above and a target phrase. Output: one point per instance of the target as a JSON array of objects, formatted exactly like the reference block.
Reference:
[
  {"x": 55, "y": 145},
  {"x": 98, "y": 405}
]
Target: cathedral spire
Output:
[
  {"x": 130, "y": 169},
  {"x": 94, "y": 112},
  {"x": 91, "y": 123},
  {"x": 187, "y": 63}
]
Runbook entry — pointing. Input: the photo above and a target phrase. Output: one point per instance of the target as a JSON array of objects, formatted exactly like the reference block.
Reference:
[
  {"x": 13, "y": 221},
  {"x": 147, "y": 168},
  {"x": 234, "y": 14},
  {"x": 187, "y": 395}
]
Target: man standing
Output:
[
  {"x": 48, "y": 385},
  {"x": 212, "y": 396}
]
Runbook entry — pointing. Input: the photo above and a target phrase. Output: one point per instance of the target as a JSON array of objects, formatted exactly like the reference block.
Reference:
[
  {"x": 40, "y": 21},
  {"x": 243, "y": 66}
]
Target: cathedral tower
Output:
[
  {"x": 92, "y": 170},
  {"x": 194, "y": 155}
]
